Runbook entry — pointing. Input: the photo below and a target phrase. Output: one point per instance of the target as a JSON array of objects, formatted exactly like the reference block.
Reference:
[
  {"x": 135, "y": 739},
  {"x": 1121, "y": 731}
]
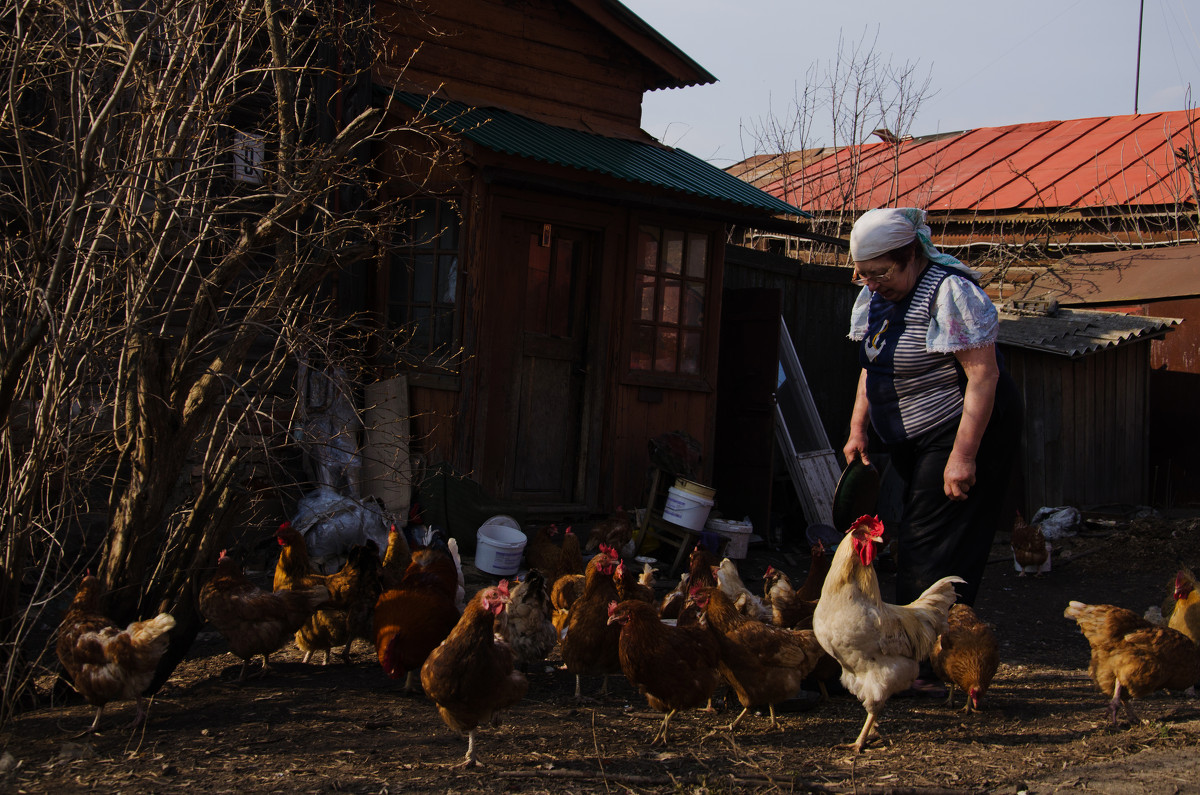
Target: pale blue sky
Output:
[{"x": 991, "y": 64}]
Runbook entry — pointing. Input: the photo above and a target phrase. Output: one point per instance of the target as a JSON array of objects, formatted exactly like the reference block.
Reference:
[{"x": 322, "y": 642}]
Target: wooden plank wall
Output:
[
  {"x": 537, "y": 57},
  {"x": 1086, "y": 426},
  {"x": 637, "y": 421}
]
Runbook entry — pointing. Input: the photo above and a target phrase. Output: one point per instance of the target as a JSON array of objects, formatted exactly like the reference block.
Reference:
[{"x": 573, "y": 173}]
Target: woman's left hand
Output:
[
  {"x": 982, "y": 372},
  {"x": 959, "y": 476}
]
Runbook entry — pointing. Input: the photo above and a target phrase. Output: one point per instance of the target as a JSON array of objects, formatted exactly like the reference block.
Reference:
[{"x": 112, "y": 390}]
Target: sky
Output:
[{"x": 989, "y": 64}]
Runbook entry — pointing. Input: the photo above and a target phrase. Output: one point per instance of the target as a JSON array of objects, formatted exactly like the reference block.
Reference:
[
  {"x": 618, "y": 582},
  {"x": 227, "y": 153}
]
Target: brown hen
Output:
[
  {"x": 348, "y": 616},
  {"x": 673, "y": 667},
  {"x": 107, "y": 663},
  {"x": 788, "y": 609},
  {"x": 251, "y": 620},
  {"x": 1029, "y": 546},
  {"x": 763, "y": 664},
  {"x": 590, "y": 646},
  {"x": 1131, "y": 657},
  {"x": 413, "y": 618},
  {"x": 966, "y": 655},
  {"x": 470, "y": 677}
]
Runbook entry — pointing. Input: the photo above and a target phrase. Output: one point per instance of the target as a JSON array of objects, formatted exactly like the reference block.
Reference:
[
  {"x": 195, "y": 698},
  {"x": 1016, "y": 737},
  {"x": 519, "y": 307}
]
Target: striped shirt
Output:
[{"x": 914, "y": 381}]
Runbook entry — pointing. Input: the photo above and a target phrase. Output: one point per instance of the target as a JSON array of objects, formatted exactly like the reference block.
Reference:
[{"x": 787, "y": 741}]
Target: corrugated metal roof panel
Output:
[
  {"x": 1120, "y": 277},
  {"x": 1096, "y": 162},
  {"x": 1079, "y": 332},
  {"x": 630, "y": 161}
]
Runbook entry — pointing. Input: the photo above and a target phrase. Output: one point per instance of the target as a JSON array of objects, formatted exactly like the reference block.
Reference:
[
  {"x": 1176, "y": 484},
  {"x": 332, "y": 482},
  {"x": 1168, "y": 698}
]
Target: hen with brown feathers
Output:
[
  {"x": 413, "y": 618},
  {"x": 1132, "y": 657},
  {"x": 1185, "y": 610},
  {"x": 629, "y": 586},
  {"x": 788, "y": 610},
  {"x": 542, "y": 549},
  {"x": 1029, "y": 546},
  {"x": 764, "y": 664},
  {"x": 966, "y": 655},
  {"x": 614, "y": 531},
  {"x": 251, "y": 620},
  {"x": 294, "y": 569},
  {"x": 107, "y": 663},
  {"x": 395, "y": 559},
  {"x": 673, "y": 667},
  {"x": 470, "y": 676},
  {"x": 348, "y": 616},
  {"x": 678, "y": 604},
  {"x": 590, "y": 645}
]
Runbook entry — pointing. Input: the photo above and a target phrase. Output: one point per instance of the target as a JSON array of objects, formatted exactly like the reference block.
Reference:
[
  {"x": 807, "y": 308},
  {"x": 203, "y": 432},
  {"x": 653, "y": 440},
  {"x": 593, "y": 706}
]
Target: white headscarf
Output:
[{"x": 879, "y": 231}]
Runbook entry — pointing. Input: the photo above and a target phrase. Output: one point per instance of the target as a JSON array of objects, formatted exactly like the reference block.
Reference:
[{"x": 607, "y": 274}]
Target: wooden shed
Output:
[
  {"x": 1159, "y": 282},
  {"x": 563, "y": 292},
  {"x": 1084, "y": 377}
]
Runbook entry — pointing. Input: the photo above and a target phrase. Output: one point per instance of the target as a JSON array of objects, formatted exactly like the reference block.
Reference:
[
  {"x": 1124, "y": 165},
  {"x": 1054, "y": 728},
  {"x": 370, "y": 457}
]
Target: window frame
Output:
[
  {"x": 445, "y": 370},
  {"x": 709, "y": 324}
]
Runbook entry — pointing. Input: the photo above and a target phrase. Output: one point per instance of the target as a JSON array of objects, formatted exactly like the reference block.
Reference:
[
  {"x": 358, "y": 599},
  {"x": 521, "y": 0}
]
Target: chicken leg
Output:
[
  {"x": 662, "y": 731},
  {"x": 470, "y": 760},
  {"x": 1116, "y": 702},
  {"x": 868, "y": 732}
]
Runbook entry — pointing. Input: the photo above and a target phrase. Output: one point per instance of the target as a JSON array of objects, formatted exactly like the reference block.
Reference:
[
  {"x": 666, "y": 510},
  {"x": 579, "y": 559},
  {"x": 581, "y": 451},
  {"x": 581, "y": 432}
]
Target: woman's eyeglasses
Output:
[{"x": 875, "y": 278}]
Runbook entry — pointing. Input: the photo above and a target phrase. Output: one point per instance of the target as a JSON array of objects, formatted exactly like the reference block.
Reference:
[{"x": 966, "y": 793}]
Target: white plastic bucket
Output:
[
  {"x": 738, "y": 534},
  {"x": 686, "y": 509},
  {"x": 498, "y": 548}
]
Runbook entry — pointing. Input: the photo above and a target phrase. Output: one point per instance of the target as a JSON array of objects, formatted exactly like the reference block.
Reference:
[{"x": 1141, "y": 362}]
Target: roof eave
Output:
[{"x": 623, "y": 23}]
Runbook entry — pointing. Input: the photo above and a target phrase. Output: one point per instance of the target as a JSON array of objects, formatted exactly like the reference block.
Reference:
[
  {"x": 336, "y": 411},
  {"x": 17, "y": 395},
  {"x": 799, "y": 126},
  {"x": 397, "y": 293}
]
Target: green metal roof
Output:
[{"x": 631, "y": 161}]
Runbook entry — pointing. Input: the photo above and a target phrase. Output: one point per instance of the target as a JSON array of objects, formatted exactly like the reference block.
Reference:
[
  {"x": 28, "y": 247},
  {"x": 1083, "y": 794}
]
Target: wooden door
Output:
[
  {"x": 549, "y": 379},
  {"x": 745, "y": 433}
]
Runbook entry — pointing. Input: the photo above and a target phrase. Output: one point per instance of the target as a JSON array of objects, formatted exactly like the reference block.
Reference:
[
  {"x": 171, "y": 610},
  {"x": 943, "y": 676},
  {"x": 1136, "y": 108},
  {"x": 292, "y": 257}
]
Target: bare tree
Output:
[
  {"x": 180, "y": 181},
  {"x": 856, "y": 95}
]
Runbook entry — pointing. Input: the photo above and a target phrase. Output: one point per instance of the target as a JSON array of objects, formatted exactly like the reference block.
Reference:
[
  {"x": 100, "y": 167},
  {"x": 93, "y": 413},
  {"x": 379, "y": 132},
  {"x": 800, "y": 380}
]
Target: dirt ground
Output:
[{"x": 309, "y": 728}]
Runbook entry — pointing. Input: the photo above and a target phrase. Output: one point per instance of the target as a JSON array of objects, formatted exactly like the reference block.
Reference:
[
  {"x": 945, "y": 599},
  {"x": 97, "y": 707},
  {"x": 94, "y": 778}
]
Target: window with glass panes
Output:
[
  {"x": 423, "y": 282},
  {"x": 672, "y": 277}
]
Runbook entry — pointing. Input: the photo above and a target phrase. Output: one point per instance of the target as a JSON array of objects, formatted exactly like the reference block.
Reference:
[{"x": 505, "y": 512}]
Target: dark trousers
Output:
[{"x": 938, "y": 536}]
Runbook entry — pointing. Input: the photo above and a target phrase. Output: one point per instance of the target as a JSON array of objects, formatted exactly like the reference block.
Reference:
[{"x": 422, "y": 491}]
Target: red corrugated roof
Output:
[{"x": 1104, "y": 161}]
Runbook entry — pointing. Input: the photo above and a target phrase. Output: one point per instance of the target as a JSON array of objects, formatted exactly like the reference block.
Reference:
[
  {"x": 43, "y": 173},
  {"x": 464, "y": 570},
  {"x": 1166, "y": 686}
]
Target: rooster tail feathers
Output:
[
  {"x": 452, "y": 545},
  {"x": 940, "y": 595},
  {"x": 929, "y": 611}
]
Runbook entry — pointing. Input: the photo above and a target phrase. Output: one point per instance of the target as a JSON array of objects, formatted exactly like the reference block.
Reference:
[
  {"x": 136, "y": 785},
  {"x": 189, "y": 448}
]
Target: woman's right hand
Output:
[
  {"x": 856, "y": 445},
  {"x": 856, "y": 448}
]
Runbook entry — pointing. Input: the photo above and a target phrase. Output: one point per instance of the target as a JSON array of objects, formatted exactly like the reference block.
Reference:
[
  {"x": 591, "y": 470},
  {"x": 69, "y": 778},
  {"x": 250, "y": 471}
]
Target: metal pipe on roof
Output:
[{"x": 1137, "y": 75}]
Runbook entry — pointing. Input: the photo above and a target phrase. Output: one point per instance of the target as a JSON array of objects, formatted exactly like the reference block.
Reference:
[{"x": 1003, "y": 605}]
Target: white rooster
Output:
[{"x": 879, "y": 645}]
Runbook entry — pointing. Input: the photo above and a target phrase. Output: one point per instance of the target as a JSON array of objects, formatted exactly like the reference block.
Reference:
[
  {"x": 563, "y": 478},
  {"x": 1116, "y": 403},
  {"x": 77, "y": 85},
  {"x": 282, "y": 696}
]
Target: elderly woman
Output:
[{"x": 934, "y": 388}]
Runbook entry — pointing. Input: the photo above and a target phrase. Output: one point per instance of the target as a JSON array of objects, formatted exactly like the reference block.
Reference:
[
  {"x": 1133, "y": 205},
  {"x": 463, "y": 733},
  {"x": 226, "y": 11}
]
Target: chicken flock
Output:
[{"x": 471, "y": 657}]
